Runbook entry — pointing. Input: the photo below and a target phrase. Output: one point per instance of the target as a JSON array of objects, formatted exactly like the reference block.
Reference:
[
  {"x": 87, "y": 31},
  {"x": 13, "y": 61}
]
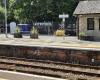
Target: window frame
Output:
[
  {"x": 90, "y": 21},
  {"x": 99, "y": 23}
]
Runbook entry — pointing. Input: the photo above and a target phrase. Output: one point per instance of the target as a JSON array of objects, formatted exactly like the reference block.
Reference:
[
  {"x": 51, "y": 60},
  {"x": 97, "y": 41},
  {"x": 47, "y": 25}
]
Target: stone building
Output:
[{"x": 88, "y": 18}]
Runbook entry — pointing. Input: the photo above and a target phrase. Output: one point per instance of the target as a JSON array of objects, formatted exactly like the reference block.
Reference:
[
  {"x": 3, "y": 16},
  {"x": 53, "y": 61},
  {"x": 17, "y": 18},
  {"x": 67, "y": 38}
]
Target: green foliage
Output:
[
  {"x": 18, "y": 30},
  {"x": 34, "y": 30},
  {"x": 38, "y": 10},
  {"x": 1, "y": 11},
  {"x": 82, "y": 34}
]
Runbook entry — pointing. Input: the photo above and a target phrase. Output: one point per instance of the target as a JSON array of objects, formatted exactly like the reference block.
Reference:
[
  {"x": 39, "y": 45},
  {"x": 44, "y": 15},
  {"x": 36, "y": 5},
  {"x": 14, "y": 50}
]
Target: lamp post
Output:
[
  {"x": 5, "y": 4},
  {"x": 63, "y": 17}
]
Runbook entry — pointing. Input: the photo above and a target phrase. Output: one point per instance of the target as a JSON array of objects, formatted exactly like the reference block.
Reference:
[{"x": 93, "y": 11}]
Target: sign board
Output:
[
  {"x": 12, "y": 27},
  {"x": 43, "y": 24},
  {"x": 63, "y": 16}
]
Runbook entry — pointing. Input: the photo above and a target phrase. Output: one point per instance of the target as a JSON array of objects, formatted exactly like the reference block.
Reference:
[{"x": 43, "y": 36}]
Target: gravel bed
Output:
[
  {"x": 69, "y": 76},
  {"x": 51, "y": 66}
]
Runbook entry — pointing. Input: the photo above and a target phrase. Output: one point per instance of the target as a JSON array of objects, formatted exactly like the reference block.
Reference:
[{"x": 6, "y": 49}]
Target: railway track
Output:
[{"x": 48, "y": 68}]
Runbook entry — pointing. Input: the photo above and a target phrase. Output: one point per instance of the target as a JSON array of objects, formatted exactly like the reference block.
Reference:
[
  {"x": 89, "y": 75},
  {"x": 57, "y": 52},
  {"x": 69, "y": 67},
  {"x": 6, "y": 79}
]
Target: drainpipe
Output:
[{"x": 77, "y": 26}]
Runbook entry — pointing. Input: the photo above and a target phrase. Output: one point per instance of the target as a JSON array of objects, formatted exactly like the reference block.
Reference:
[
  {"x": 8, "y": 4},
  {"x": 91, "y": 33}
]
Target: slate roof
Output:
[{"x": 88, "y": 7}]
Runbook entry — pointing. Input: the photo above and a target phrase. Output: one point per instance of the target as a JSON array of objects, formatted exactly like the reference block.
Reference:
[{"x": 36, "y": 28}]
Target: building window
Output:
[{"x": 90, "y": 24}]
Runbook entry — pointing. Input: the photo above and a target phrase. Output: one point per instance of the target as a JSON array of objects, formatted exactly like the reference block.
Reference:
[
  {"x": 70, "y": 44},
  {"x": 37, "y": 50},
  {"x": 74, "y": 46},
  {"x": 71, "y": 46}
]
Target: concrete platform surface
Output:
[
  {"x": 3, "y": 79},
  {"x": 51, "y": 41},
  {"x": 8, "y": 75}
]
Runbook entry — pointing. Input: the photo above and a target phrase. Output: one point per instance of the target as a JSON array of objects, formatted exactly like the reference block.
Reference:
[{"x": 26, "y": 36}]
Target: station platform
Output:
[
  {"x": 66, "y": 42},
  {"x": 8, "y": 75}
]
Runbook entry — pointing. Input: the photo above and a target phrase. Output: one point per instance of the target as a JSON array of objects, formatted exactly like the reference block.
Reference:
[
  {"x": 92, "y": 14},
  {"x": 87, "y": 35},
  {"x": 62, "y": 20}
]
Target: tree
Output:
[
  {"x": 39, "y": 10},
  {"x": 1, "y": 11}
]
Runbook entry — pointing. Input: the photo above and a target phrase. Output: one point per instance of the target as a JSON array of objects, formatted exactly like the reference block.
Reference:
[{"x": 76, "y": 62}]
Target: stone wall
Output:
[
  {"x": 83, "y": 25},
  {"x": 51, "y": 54}
]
